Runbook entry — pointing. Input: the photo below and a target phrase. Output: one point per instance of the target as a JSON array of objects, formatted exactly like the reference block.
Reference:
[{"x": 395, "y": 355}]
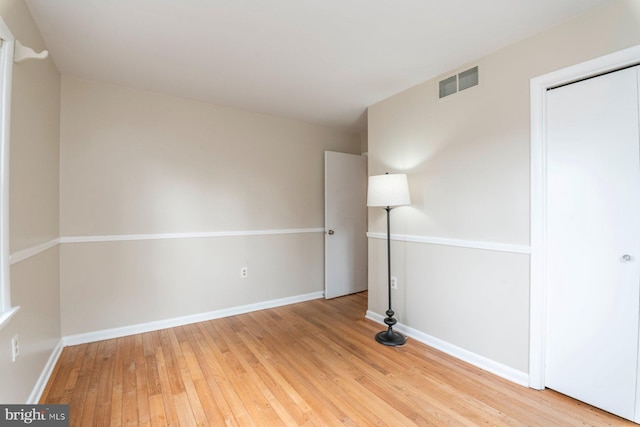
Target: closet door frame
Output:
[{"x": 538, "y": 266}]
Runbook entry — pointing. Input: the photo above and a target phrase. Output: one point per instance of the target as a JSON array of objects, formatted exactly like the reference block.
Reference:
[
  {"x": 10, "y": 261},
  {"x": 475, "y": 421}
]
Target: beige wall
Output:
[
  {"x": 118, "y": 284},
  {"x": 364, "y": 141},
  {"x": 135, "y": 162},
  {"x": 468, "y": 163},
  {"x": 34, "y": 217}
]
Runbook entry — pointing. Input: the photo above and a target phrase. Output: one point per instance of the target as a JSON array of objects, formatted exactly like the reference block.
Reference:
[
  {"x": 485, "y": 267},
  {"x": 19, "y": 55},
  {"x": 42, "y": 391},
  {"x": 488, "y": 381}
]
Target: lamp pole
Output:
[{"x": 390, "y": 337}]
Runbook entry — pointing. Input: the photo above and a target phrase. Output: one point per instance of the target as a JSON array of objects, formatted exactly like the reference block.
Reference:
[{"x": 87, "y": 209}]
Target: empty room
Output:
[{"x": 262, "y": 213}]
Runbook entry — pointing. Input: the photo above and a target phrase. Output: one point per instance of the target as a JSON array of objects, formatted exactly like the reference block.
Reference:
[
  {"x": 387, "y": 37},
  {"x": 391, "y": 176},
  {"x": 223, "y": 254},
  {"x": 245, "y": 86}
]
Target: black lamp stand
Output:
[{"x": 390, "y": 337}]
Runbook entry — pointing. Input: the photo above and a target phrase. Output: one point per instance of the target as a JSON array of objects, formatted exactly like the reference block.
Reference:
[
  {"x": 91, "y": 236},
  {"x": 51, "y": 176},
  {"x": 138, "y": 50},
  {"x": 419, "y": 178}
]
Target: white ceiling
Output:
[{"x": 321, "y": 61}]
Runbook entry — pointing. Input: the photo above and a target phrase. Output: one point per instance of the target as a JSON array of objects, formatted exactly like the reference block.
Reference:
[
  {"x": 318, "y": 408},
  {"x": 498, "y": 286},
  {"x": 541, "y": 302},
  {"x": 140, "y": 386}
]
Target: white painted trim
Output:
[
  {"x": 35, "y": 250},
  {"x": 470, "y": 357},
  {"x": 185, "y": 320},
  {"x": 538, "y": 279},
  {"x": 471, "y": 244},
  {"x": 6, "y": 315},
  {"x": 198, "y": 234},
  {"x": 41, "y": 384},
  {"x": 6, "y": 61},
  {"x": 32, "y": 251}
]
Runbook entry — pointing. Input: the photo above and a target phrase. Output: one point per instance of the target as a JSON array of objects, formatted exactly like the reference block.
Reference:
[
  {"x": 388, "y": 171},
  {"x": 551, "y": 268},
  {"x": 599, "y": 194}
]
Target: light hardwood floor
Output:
[{"x": 314, "y": 364}]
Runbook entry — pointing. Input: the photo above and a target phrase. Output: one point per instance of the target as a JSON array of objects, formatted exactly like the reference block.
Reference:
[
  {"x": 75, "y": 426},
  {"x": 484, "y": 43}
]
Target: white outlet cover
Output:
[{"x": 15, "y": 348}]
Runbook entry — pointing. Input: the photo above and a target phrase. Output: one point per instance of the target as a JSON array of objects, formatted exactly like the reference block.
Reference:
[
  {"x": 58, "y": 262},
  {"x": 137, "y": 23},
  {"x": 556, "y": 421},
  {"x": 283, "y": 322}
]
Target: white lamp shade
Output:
[{"x": 388, "y": 190}]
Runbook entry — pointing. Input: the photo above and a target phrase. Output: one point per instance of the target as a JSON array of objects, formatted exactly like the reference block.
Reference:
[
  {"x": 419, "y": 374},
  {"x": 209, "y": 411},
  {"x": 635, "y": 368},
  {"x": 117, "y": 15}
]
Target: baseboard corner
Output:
[{"x": 43, "y": 379}]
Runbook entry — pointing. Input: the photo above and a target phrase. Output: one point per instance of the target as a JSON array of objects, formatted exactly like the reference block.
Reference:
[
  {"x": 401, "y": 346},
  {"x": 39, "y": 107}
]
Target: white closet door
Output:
[{"x": 593, "y": 222}]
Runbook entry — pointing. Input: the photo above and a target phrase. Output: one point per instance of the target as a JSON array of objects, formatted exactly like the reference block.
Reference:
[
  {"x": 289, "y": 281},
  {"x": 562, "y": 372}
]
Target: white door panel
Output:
[
  {"x": 593, "y": 221},
  {"x": 346, "y": 220}
]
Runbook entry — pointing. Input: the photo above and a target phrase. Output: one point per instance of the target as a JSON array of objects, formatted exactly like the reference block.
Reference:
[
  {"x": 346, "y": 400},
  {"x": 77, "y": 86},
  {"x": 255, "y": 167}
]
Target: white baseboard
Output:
[
  {"x": 36, "y": 394},
  {"x": 503, "y": 371},
  {"x": 184, "y": 320}
]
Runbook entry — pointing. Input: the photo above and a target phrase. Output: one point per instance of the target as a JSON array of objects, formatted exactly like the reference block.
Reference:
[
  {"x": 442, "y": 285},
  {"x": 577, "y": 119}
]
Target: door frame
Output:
[{"x": 538, "y": 263}]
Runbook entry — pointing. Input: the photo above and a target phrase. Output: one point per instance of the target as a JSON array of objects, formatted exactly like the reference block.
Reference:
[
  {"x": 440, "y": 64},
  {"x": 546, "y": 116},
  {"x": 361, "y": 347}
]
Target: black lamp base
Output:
[{"x": 391, "y": 338}]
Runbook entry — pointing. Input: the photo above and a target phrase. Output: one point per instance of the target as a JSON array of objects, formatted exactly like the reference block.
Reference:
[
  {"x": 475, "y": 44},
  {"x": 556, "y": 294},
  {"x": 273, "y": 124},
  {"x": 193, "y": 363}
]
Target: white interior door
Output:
[
  {"x": 345, "y": 222},
  {"x": 593, "y": 246}
]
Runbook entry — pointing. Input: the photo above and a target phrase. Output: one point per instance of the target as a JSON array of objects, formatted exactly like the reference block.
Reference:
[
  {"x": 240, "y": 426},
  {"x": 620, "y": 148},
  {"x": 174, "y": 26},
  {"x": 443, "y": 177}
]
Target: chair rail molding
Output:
[{"x": 471, "y": 244}]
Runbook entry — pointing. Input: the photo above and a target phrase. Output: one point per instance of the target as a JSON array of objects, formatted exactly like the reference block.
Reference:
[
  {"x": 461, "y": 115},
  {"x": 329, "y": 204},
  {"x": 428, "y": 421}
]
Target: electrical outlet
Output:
[
  {"x": 244, "y": 273},
  {"x": 394, "y": 282},
  {"x": 15, "y": 348}
]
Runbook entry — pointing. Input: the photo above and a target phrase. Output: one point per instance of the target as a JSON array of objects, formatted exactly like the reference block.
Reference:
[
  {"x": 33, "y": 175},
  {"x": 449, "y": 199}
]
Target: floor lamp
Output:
[{"x": 388, "y": 191}]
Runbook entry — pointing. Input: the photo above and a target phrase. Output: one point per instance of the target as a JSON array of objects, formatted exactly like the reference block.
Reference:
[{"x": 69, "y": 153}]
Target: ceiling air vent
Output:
[{"x": 459, "y": 82}]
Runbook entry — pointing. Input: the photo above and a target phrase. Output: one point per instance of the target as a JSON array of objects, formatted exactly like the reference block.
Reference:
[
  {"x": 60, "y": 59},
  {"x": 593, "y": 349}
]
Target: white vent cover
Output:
[{"x": 459, "y": 82}]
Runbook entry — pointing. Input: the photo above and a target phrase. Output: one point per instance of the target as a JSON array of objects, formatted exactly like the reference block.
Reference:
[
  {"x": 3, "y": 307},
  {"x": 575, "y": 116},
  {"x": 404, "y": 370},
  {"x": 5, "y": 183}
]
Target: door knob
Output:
[
  {"x": 330, "y": 232},
  {"x": 626, "y": 258}
]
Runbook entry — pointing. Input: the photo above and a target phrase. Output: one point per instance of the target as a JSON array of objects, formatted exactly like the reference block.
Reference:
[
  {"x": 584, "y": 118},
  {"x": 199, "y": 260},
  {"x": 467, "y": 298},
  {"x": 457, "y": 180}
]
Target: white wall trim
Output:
[
  {"x": 471, "y": 244},
  {"x": 36, "y": 394},
  {"x": 472, "y": 358},
  {"x": 6, "y": 315},
  {"x": 198, "y": 234},
  {"x": 6, "y": 76},
  {"x": 538, "y": 272},
  {"x": 32, "y": 251},
  {"x": 35, "y": 250},
  {"x": 185, "y": 320}
]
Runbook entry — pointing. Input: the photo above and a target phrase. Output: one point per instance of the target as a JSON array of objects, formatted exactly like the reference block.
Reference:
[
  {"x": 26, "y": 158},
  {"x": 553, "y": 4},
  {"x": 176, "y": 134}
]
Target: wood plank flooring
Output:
[{"x": 310, "y": 364}]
